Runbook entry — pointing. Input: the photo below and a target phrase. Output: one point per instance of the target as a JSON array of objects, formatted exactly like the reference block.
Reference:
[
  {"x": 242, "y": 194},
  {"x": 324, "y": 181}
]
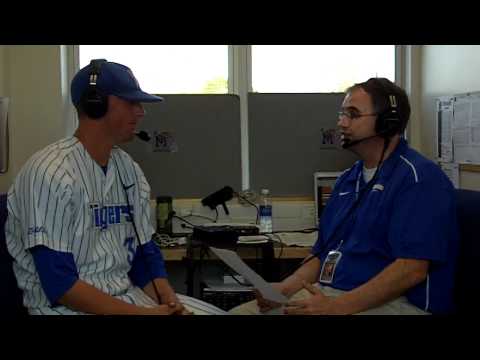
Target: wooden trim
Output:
[
  {"x": 279, "y": 198},
  {"x": 469, "y": 167},
  {"x": 293, "y": 198},
  {"x": 174, "y": 254},
  {"x": 292, "y": 252},
  {"x": 288, "y": 252}
]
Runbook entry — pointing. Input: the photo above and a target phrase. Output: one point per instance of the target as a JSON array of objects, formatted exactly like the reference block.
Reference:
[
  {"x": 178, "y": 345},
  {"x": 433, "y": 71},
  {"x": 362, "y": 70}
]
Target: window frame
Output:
[{"x": 240, "y": 84}]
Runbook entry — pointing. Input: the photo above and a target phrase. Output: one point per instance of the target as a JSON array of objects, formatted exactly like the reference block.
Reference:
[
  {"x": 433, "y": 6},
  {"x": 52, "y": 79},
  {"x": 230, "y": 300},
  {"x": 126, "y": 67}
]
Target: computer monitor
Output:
[{"x": 323, "y": 183}]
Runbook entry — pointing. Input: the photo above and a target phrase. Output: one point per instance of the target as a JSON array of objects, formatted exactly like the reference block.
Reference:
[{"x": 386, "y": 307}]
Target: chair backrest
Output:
[
  {"x": 467, "y": 280},
  {"x": 11, "y": 300}
]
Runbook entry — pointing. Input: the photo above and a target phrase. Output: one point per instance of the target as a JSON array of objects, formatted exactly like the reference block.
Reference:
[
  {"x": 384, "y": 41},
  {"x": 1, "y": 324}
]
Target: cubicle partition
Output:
[
  {"x": 206, "y": 132},
  {"x": 290, "y": 138}
]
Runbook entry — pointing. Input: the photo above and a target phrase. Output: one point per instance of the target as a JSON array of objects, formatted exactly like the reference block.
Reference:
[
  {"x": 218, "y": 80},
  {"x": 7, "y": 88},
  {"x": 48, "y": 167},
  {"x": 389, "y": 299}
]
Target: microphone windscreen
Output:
[
  {"x": 143, "y": 135},
  {"x": 219, "y": 197}
]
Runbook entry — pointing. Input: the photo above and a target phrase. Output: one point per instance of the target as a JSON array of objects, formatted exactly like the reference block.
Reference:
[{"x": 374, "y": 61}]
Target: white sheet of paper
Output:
[
  {"x": 462, "y": 113},
  {"x": 236, "y": 263}
]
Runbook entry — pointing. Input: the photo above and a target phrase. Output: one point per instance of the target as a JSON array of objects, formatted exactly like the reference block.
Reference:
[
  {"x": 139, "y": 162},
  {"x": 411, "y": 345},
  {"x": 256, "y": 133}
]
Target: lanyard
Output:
[{"x": 346, "y": 223}]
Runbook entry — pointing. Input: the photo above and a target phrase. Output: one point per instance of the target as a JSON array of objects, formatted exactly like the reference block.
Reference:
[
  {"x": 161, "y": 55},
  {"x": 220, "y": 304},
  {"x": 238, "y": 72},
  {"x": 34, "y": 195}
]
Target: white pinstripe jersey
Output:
[{"x": 62, "y": 199}]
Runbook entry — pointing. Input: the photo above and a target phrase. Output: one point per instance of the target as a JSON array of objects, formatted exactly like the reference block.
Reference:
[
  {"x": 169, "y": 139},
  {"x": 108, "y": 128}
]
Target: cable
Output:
[
  {"x": 282, "y": 245},
  {"x": 356, "y": 204},
  {"x": 251, "y": 203},
  {"x": 148, "y": 265},
  {"x": 202, "y": 216},
  {"x": 173, "y": 215}
]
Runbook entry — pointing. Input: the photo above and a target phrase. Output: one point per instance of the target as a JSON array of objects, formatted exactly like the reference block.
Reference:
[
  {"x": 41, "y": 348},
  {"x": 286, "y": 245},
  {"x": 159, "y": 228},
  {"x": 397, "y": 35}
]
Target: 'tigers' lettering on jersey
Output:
[
  {"x": 36, "y": 229},
  {"x": 103, "y": 216}
]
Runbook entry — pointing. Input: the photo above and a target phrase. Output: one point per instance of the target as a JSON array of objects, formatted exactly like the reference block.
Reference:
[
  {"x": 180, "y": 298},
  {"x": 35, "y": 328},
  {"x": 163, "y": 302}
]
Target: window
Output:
[
  {"x": 318, "y": 68},
  {"x": 168, "y": 69},
  {"x": 240, "y": 69}
]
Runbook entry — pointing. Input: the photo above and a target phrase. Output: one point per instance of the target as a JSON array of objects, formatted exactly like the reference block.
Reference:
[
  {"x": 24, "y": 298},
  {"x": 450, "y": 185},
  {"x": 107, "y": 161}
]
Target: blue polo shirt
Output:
[{"x": 409, "y": 212}]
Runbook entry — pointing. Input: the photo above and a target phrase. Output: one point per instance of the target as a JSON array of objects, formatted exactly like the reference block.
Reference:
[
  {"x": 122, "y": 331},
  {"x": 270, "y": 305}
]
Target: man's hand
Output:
[
  {"x": 173, "y": 302},
  {"x": 165, "y": 309},
  {"x": 317, "y": 304},
  {"x": 180, "y": 308},
  {"x": 265, "y": 305},
  {"x": 168, "y": 296}
]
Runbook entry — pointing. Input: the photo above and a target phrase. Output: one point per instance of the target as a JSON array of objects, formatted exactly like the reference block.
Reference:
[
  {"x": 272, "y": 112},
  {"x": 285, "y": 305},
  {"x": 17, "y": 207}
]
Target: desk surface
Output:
[{"x": 288, "y": 252}]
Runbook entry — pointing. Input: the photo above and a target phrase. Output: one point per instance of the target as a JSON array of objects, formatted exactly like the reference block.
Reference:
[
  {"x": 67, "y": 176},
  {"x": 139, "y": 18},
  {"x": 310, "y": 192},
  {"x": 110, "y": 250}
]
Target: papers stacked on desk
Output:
[
  {"x": 296, "y": 239},
  {"x": 252, "y": 239}
]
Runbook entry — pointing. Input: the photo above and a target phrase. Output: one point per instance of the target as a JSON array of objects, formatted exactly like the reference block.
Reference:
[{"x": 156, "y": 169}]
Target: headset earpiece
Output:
[
  {"x": 388, "y": 122},
  {"x": 93, "y": 102}
]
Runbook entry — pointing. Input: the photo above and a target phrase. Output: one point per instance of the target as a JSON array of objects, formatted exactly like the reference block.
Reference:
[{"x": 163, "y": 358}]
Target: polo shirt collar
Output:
[
  {"x": 387, "y": 167},
  {"x": 390, "y": 164}
]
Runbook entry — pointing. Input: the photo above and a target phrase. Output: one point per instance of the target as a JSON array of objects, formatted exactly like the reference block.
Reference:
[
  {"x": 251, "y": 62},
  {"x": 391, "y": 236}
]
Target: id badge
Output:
[{"x": 329, "y": 265}]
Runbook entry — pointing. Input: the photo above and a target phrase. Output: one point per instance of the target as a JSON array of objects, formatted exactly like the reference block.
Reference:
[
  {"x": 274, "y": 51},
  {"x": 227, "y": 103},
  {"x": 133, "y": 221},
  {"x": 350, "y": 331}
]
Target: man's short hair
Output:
[{"x": 379, "y": 90}]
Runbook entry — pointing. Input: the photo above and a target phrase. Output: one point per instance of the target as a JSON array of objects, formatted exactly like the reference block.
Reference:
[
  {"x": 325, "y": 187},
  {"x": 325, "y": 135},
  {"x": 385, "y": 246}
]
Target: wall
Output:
[
  {"x": 412, "y": 68},
  {"x": 4, "y": 178},
  {"x": 2, "y": 70},
  {"x": 447, "y": 69},
  {"x": 31, "y": 76}
]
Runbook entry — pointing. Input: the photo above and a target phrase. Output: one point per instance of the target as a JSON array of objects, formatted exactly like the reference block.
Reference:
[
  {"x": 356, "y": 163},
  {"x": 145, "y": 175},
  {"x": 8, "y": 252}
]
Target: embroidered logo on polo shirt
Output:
[
  {"x": 378, "y": 187},
  {"x": 344, "y": 193}
]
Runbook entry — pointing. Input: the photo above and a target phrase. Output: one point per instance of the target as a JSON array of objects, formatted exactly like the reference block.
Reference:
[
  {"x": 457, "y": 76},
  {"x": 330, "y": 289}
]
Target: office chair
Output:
[
  {"x": 467, "y": 278},
  {"x": 11, "y": 299}
]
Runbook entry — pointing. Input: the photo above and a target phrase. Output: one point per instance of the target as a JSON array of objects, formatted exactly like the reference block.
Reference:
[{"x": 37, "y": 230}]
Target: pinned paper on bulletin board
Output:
[
  {"x": 329, "y": 138},
  {"x": 164, "y": 142},
  {"x": 466, "y": 129},
  {"x": 444, "y": 128}
]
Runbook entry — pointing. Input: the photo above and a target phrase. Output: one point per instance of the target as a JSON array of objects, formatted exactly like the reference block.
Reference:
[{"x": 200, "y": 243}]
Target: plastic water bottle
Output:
[{"x": 265, "y": 209}]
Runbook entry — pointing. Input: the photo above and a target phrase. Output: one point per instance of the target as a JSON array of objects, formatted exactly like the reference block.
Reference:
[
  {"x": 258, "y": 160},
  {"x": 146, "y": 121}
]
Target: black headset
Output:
[
  {"x": 388, "y": 122},
  {"x": 93, "y": 102},
  {"x": 387, "y": 125}
]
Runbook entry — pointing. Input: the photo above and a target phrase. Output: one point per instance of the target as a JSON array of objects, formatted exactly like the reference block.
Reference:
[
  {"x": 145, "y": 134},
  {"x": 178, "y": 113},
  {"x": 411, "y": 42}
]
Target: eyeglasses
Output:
[{"x": 353, "y": 114}]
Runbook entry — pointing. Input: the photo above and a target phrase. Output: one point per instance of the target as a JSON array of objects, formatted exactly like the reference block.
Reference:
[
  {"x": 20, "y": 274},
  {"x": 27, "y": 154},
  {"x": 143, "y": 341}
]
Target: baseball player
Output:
[{"x": 79, "y": 210}]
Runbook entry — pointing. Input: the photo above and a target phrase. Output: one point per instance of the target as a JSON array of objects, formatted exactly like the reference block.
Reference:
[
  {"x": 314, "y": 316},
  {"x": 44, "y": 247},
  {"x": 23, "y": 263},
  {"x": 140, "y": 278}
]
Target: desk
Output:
[
  {"x": 288, "y": 252},
  {"x": 274, "y": 261}
]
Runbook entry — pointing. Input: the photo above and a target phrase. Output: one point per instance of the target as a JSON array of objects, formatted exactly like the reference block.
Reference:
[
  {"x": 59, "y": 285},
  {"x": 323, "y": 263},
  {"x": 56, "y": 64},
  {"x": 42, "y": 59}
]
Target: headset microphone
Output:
[
  {"x": 347, "y": 143},
  {"x": 384, "y": 133},
  {"x": 387, "y": 123}
]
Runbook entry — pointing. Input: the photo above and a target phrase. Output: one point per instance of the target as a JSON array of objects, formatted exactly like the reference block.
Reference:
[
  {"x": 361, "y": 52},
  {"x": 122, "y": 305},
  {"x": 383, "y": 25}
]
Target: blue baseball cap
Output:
[{"x": 113, "y": 79}]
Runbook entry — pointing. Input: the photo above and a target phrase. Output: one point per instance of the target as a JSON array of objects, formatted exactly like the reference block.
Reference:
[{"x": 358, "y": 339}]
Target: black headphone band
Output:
[
  {"x": 388, "y": 122},
  {"x": 94, "y": 103},
  {"x": 96, "y": 65},
  {"x": 393, "y": 101}
]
